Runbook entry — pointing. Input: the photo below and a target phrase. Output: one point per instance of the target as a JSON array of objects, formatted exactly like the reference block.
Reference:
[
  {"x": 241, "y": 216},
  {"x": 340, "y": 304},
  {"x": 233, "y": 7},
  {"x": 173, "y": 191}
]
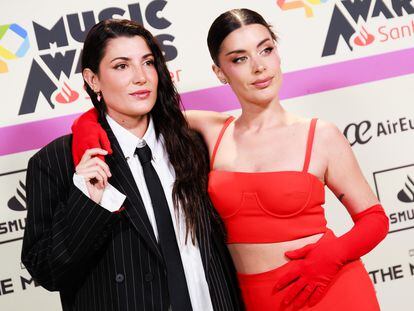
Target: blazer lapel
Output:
[{"x": 123, "y": 180}]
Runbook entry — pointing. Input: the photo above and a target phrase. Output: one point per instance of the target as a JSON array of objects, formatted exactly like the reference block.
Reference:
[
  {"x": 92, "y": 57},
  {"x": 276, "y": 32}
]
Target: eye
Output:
[
  {"x": 120, "y": 66},
  {"x": 267, "y": 50},
  {"x": 238, "y": 60},
  {"x": 149, "y": 62}
]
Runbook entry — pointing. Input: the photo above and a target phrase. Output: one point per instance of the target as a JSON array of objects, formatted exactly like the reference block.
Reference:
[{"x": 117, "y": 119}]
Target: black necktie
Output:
[{"x": 177, "y": 284}]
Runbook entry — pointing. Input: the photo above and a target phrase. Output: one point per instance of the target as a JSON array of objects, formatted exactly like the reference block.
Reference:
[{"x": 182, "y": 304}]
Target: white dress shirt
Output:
[{"x": 112, "y": 200}]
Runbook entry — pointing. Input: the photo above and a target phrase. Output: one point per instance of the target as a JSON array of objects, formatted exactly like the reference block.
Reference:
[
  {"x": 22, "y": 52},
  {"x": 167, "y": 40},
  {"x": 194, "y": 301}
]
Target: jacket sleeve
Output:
[{"x": 64, "y": 228}]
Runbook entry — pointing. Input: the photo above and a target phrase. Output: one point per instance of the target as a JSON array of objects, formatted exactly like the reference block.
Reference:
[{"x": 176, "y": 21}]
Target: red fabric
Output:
[
  {"x": 88, "y": 134},
  {"x": 350, "y": 289},
  {"x": 268, "y": 207},
  {"x": 314, "y": 266}
]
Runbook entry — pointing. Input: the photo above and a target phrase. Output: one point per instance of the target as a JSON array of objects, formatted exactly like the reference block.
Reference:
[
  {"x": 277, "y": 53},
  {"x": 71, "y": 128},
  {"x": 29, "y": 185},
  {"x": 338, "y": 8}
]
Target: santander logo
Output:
[
  {"x": 363, "y": 37},
  {"x": 64, "y": 94},
  {"x": 360, "y": 23}
]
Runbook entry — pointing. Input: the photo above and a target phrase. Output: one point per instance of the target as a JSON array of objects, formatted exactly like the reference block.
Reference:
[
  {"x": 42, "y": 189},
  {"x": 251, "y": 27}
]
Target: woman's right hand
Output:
[
  {"x": 95, "y": 172},
  {"x": 87, "y": 134}
]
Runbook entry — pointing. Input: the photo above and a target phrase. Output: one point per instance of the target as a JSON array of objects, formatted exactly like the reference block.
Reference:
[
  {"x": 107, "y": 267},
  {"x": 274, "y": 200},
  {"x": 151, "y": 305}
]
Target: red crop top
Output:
[{"x": 268, "y": 207}]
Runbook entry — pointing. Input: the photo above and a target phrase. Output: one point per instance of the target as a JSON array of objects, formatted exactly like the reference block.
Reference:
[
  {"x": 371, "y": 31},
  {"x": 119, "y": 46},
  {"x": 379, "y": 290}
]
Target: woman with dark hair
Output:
[
  {"x": 137, "y": 232},
  {"x": 268, "y": 173}
]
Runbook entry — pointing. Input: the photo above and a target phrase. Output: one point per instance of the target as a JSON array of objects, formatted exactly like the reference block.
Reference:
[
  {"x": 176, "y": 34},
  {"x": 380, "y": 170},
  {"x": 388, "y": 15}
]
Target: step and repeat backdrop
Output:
[{"x": 348, "y": 62}]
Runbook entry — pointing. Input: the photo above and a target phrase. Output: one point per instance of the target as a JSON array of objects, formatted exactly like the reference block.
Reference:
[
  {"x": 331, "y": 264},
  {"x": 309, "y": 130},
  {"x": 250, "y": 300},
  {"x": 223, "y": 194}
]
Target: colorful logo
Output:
[
  {"x": 300, "y": 4},
  {"x": 14, "y": 43}
]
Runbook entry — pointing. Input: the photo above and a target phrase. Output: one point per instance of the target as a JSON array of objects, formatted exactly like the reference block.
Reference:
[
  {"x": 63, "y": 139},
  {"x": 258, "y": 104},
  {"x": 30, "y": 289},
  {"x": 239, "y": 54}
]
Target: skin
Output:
[
  {"x": 249, "y": 54},
  {"x": 128, "y": 81}
]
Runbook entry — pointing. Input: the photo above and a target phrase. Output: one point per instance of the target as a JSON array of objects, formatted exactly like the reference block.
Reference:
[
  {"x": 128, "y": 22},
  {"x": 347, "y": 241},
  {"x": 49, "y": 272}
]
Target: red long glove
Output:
[
  {"x": 87, "y": 134},
  {"x": 314, "y": 266}
]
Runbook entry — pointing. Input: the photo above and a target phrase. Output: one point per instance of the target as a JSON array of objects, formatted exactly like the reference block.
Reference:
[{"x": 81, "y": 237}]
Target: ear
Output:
[
  {"x": 92, "y": 79},
  {"x": 219, "y": 73}
]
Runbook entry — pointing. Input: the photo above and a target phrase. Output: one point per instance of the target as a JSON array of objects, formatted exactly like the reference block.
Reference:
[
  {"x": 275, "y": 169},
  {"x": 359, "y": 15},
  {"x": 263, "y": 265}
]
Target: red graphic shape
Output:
[
  {"x": 66, "y": 95},
  {"x": 364, "y": 38}
]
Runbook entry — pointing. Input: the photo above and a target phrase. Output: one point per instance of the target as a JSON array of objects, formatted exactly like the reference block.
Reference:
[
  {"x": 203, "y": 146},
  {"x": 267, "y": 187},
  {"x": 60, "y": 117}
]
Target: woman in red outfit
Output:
[{"x": 268, "y": 172}]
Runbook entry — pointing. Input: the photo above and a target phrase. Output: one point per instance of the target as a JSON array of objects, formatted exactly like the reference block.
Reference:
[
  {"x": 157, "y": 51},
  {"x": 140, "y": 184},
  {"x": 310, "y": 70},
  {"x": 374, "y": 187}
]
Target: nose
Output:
[
  {"x": 139, "y": 76},
  {"x": 257, "y": 65}
]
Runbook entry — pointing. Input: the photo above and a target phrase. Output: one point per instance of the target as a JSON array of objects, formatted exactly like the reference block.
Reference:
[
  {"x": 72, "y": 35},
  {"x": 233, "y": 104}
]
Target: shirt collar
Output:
[{"x": 129, "y": 142}]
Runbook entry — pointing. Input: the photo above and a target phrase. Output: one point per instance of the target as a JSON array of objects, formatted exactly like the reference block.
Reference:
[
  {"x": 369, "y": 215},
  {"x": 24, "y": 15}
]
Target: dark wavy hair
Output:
[
  {"x": 186, "y": 154},
  {"x": 228, "y": 22}
]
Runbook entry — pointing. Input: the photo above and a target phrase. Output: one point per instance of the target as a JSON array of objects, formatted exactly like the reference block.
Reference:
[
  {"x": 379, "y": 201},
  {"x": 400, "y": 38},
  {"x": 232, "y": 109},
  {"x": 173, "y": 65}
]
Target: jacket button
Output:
[
  {"x": 119, "y": 278},
  {"x": 149, "y": 277}
]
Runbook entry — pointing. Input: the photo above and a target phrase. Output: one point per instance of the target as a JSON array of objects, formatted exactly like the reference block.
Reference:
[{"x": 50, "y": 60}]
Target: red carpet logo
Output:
[{"x": 363, "y": 38}]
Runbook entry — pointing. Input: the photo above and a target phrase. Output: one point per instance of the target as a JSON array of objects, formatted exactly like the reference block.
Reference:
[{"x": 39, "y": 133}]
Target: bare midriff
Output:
[{"x": 251, "y": 258}]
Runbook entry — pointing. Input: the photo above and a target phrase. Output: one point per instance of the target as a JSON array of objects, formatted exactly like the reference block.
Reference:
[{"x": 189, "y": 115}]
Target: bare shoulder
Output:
[
  {"x": 328, "y": 133},
  {"x": 207, "y": 117},
  {"x": 207, "y": 123}
]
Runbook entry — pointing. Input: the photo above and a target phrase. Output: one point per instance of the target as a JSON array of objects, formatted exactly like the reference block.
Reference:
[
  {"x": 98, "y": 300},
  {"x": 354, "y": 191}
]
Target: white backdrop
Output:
[{"x": 349, "y": 62}]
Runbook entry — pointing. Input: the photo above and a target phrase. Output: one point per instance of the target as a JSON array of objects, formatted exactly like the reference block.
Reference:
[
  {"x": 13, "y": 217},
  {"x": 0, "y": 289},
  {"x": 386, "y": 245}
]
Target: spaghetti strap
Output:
[
  {"x": 213, "y": 155},
  {"x": 309, "y": 144}
]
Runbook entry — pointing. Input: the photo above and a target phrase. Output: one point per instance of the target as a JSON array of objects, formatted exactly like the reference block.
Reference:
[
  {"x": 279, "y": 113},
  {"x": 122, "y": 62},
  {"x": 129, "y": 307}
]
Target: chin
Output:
[{"x": 264, "y": 98}]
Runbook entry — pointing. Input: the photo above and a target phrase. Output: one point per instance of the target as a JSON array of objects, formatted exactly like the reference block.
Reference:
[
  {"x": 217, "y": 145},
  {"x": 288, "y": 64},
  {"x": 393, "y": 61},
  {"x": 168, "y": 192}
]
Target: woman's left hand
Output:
[{"x": 310, "y": 272}]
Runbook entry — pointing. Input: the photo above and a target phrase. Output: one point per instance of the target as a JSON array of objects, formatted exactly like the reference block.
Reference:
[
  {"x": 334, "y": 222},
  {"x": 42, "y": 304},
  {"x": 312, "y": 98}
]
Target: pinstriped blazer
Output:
[{"x": 99, "y": 260}]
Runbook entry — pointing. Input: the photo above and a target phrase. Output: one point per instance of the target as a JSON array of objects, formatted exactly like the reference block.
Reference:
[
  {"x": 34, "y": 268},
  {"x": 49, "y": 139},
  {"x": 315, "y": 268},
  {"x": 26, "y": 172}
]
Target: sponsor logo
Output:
[
  {"x": 406, "y": 194},
  {"x": 364, "y": 131},
  {"x": 394, "y": 189},
  {"x": 361, "y": 23},
  {"x": 14, "y": 43},
  {"x": 13, "y": 221},
  {"x": 18, "y": 201}
]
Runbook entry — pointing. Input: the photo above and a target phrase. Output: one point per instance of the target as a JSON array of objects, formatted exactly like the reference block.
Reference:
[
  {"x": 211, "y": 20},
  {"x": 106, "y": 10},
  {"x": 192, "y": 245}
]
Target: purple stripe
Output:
[
  {"x": 314, "y": 80},
  {"x": 34, "y": 135}
]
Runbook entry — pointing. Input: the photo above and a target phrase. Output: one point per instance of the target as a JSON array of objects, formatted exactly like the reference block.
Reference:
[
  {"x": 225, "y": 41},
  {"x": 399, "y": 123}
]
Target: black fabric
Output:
[{"x": 177, "y": 284}]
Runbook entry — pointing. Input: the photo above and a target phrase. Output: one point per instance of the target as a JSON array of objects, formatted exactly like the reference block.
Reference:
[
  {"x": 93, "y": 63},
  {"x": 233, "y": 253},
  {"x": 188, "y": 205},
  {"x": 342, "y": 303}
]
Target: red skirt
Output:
[{"x": 350, "y": 290}]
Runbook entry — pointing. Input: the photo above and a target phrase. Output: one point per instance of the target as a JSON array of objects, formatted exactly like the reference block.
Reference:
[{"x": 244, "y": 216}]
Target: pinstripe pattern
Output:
[{"x": 104, "y": 261}]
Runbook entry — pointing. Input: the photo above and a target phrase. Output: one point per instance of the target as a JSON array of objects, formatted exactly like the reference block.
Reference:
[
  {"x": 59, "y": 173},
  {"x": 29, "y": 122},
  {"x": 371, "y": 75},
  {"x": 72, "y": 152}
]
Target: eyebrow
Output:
[
  {"x": 127, "y": 58},
  {"x": 242, "y": 51}
]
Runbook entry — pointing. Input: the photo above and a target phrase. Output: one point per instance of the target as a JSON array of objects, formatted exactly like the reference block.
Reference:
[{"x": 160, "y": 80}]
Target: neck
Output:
[
  {"x": 255, "y": 116},
  {"x": 137, "y": 125}
]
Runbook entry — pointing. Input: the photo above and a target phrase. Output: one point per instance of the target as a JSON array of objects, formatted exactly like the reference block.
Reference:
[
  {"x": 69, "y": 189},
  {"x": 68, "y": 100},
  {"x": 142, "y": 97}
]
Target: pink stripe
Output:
[
  {"x": 34, "y": 135},
  {"x": 314, "y": 80}
]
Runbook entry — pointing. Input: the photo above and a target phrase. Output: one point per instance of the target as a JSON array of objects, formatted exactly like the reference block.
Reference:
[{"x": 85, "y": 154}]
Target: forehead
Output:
[
  {"x": 129, "y": 47},
  {"x": 245, "y": 37}
]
